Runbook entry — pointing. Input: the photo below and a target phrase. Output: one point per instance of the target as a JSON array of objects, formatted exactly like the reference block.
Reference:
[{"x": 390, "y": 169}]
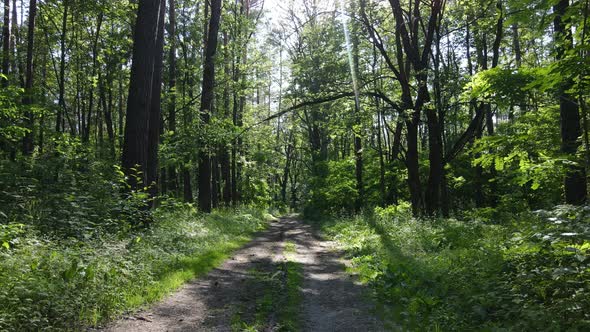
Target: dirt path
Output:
[{"x": 235, "y": 295}]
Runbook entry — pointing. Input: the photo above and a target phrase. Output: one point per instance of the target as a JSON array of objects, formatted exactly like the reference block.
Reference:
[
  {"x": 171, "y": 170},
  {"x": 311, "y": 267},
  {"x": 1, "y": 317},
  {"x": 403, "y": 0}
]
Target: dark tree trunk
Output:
[
  {"x": 287, "y": 170},
  {"x": 186, "y": 185},
  {"x": 412, "y": 164},
  {"x": 207, "y": 95},
  {"x": 134, "y": 157},
  {"x": 155, "y": 112},
  {"x": 382, "y": 187},
  {"x": 59, "y": 125},
  {"x": 226, "y": 176},
  {"x": 17, "y": 64},
  {"x": 435, "y": 126},
  {"x": 223, "y": 149},
  {"x": 215, "y": 185},
  {"x": 435, "y": 177},
  {"x": 28, "y": 98},
  {"x": 484, "y": 109},
  {"x": 516, "y": 44},
  {"x": 6, "y": 43},
  {"x": 173, "y": 178},
  {"x": 121, "y": 112},
  {"x": 107, "y": 110},
  {"x": 575, "y": 177},
  {"x": 88, "y": 122}
]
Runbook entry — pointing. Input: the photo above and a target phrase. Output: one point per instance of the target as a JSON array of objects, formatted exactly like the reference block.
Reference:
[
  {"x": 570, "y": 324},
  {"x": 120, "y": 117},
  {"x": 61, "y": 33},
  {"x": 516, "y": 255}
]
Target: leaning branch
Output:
[
  {"x": 296, "y": 107},
  {"x": 293, "y": 108}
]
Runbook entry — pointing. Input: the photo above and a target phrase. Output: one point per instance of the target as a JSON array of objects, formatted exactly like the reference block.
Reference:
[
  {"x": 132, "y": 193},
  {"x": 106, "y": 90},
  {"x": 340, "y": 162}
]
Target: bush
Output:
[
  {"x": 530, "y": 274},
  {"x": 46, "y": 284},
  {"x": 333, "y": 190}
]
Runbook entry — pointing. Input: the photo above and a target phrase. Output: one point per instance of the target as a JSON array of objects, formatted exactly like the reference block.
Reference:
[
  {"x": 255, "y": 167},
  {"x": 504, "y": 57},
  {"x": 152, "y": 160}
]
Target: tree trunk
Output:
[
  {"x": 412, "y": 164},
  {"x": 435, "y": 142},
  {"x": 215, "y": 185},
  {"x": 358, "y": 143},
  {"x": 186, "y": 185},
  {"x": 207, "y": 95},
  {"x": 134, "y": 157},
  {"x": 575, "y": 177},
  {"x": 59, "y": 125},
  {"x": 17, "y": 65},
  {"x": 28, "y": 98},
  {"x": 155, "y": 110},
  {"x": 435, "y": 177},
  {"x": 6, "y": 43},
  {"x": 173, "y": 178}
]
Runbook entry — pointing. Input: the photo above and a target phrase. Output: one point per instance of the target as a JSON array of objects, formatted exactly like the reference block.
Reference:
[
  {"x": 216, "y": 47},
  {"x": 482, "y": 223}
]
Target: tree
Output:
[
  {"x": 413, "y": 57},
  {"x": 28, "y": 98},
  {"x": 155, "y": 108},
  {"x": 575, "y": 178},
  {"x": 207, "y": 96},
  {"x": 173, "y": 182},
  {"x": 6, "y": 43},
  {"x": 139, "y": 102}
]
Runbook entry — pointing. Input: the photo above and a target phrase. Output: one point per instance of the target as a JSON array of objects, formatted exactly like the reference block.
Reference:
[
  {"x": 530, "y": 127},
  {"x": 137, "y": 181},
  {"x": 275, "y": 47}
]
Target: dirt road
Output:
[{"x": 239, "y": 294}]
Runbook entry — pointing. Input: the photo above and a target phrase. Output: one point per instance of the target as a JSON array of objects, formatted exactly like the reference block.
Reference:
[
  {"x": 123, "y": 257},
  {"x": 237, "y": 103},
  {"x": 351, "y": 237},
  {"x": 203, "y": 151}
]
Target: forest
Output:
[{"x": 441, "y": 146}]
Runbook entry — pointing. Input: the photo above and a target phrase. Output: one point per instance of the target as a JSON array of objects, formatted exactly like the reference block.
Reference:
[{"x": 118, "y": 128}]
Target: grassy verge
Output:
[
  {"x": 289, "y": 311},
  {"x": 530, "y": 273},
  {"x": 278, "y": 303},
  {"x": 71, "y": 284}
]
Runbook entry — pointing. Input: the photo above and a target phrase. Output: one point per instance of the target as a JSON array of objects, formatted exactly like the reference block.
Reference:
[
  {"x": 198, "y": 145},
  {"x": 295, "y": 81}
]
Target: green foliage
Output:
[
  {"x": 529, "y": 274},
  {"x": 334, "y": 190},
  {"x": 67, "y": 193},
  {"x": 69, "y": 284},
  {"x": 504, "y": 87},
  {"x": 526, "y": 158},
  {"x": 10, "y": 116}
]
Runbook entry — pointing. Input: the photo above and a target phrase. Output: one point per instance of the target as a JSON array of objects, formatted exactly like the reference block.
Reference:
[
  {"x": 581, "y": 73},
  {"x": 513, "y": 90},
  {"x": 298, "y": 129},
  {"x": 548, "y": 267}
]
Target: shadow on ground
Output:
[{"x": 232, "y": 296}]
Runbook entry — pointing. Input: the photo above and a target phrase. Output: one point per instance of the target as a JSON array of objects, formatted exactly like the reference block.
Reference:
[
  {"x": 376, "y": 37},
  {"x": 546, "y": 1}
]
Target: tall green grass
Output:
[
  {"x": 528, "y": 273},
  {"x": 48, "y": 284}
]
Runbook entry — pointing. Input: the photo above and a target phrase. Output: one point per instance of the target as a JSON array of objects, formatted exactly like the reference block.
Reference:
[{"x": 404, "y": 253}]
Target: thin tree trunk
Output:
[
  {"x": 17, "y": 65},
  {"x": 224, "y": 153},
  {"x": 59, "y": 125},
  {"x": 6, "y": 43},
  {"x": 173, "y": 178},
  {"x": 215, "y": 185},
  {"x": 86, "y": 130},
  {"x": 28, "y": 98}
]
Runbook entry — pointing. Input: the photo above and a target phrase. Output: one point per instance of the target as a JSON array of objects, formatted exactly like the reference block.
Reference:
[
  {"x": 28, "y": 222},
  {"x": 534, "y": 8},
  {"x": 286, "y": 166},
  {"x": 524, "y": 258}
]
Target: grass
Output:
[
  {"x": 289, "y": 311},
  {"x": 53, "y": 285},
  {"x": 279, "y": 299},
  {"x": 290, "y": 248},
  {"x": 528, "y": 273}
]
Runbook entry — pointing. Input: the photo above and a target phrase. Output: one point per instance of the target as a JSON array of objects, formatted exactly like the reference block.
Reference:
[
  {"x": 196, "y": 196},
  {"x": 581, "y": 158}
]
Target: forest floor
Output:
[{"x": 286, "y": 279}]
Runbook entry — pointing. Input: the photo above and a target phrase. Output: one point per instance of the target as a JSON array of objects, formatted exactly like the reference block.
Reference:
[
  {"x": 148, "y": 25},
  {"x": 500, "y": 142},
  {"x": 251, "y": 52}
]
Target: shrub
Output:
[
  {"x": 49, "y": 284},
  {"x": 532, "y": 273}
]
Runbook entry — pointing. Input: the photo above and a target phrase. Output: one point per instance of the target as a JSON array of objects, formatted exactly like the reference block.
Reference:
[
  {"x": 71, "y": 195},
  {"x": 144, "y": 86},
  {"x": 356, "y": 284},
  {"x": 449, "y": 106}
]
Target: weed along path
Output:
[{"x": 286, "y": 279}]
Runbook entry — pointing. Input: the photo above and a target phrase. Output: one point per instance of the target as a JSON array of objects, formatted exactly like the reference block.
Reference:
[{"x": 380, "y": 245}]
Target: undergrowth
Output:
[
  {"x": 52, "y": 283},
  {"x": 528, "y": 273}
]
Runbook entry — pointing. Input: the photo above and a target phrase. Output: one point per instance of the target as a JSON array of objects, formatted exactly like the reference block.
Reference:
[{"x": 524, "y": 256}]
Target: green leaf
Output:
[
  {"x": 499, "y": 163},
  {"x": 6, "y": 245},
  {"x": 535, "y": 185}
]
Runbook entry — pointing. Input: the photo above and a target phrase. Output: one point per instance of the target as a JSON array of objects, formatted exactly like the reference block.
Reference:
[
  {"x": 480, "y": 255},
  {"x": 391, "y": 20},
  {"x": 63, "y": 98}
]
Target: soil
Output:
[{"x": 332, "y": 299}]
